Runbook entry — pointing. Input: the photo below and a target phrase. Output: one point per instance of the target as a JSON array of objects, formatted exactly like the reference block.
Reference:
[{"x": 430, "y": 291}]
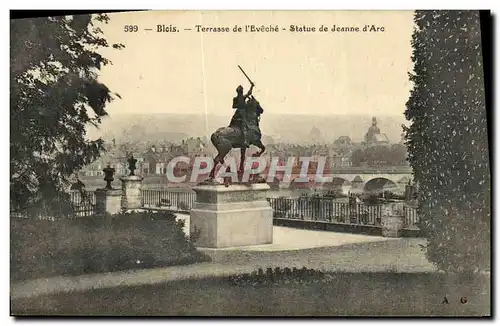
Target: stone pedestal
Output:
[
  {"x": 131, "y": 192},
  {"x": 238, "y": 215},
  {"x": 392, "y": 220},
  {"x": 108, "y": 201}
]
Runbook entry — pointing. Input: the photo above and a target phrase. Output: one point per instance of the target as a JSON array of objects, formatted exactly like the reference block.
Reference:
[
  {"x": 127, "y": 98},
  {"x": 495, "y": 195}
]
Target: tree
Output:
[
  {"x": 377, "y": 155},
  {"x": 380, "y": 155},
  {"x": 358, "y": 156},
  {"x": 54, "y": 96},
  {"x": 447, "y": 139},
  {"x": 397, "y": 154}
]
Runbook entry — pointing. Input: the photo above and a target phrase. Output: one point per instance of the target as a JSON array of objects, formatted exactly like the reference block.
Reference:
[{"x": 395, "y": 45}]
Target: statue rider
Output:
[{"x": 239, "y": 118}]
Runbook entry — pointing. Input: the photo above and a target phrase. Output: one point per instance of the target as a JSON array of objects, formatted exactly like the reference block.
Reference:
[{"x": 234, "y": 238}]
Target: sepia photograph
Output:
[{"x": 258, "y": 163}]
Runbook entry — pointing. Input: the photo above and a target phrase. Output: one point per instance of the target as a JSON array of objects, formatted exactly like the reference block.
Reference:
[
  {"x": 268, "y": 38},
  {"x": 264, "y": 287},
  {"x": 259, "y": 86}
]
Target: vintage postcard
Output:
[{"x": 250, "y": 163}]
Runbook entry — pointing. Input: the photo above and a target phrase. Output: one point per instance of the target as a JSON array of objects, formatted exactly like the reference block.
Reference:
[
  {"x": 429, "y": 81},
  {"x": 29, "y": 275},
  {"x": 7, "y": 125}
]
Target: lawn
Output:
[
  {"x": 41, "y": 248},
  {"x": 318, "y": 294}
]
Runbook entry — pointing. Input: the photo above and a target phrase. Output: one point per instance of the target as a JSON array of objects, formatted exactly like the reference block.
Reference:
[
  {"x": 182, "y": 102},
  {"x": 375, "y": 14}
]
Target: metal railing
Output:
[
  {"x": 410, "y": 220},
  {"x": 303, "y": 208},
  {"x": 162, "y": 198},
  {"x": 83, "y": 204},
  {"x": 328, "y": 210}
]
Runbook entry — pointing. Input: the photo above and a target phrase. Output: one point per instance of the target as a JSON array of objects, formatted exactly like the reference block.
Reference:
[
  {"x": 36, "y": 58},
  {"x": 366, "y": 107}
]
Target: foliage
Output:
[
  {"x": 391, "y": 195},
  {"x": 280, "y": 275},
  {"x": 164, "y": 202},
  {"x": 358, "y": 157},
  {"x": 398, "y": 154},
  {"x": 54, "y": 96},
  {"x": 372, "y": 199},
  {"x": 380, "y": 155},
  {"x": 183, "y": 206},
  {"x": 335, "y": 193},
  {"x": 95, "y": 244},
  {"x": 447, "y": 140}
]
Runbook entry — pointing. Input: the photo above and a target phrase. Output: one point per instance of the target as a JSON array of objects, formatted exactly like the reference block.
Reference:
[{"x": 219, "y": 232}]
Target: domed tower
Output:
[
  {"x": 315, "y": 135},
  {"x": 373, "y": 136},
  {"x": 373, "y": 130}
]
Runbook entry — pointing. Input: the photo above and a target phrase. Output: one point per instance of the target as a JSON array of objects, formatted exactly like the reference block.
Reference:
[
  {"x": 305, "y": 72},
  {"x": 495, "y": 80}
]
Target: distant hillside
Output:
[{"x": 287, "y": 128}]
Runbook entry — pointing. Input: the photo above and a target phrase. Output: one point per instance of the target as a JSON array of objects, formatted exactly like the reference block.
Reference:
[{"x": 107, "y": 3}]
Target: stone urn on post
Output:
[
  {"x": 131, "y": 187},
  {"x": 131, "y": 165},
  {"x": 108, "y": 200},
  {"x": 108, "y": 176}
]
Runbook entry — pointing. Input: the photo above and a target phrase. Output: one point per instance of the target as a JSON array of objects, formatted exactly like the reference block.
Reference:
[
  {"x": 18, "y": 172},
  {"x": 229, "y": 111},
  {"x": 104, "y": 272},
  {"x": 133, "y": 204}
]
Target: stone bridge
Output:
[{"x": 369, "y": 179}]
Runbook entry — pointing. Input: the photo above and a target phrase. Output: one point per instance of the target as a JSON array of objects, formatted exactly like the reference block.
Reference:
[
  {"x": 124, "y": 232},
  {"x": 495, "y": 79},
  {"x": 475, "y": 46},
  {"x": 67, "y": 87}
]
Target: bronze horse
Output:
[{"x": 226, "y": 138}]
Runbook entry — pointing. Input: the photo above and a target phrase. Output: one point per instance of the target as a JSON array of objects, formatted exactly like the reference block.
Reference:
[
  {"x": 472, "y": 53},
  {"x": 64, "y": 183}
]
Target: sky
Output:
[{"x": 320, "y": 73}]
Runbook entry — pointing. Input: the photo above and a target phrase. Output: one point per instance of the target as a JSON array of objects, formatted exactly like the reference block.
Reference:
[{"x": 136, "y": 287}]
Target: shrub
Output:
[
  {"x": 372, "y": 199},
  {"x": 97, "y": 244},
  {"x": 448, "y": 140},
  {"x": 183, "y": 206},
  {"x": 278, "y": 275},
  {"x": 391, "y": 195},
  {"x": 164, "y": 202}
]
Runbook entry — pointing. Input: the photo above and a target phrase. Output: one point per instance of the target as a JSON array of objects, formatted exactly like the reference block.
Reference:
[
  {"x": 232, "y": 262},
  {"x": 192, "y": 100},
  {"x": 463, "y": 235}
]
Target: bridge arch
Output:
[
  {"x": 338, "y": 181},
  {"x": 338, "y": 185},
  {"x": 404, "y": 180},
  {"x": 379, "y": 185}
]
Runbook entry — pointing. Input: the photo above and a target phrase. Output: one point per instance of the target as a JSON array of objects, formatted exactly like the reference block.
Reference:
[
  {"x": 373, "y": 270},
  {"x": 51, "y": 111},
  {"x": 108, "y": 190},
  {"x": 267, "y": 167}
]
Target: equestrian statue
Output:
[{"x": 243, "y": 130}]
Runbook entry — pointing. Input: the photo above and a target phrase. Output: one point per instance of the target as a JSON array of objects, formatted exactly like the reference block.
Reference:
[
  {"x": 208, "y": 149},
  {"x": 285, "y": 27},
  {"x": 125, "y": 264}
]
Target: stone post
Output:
[
  {"x": 392, "y": 220},
  {"x": 131, "y": 188},
  {"x": 108, "y": 200},
  {"x": 131, "y": 192}
]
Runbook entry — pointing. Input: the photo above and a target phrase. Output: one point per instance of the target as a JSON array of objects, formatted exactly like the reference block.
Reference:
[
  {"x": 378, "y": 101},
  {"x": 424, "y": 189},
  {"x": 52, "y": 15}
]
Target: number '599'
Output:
[{"x": 130, "y": 28}]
